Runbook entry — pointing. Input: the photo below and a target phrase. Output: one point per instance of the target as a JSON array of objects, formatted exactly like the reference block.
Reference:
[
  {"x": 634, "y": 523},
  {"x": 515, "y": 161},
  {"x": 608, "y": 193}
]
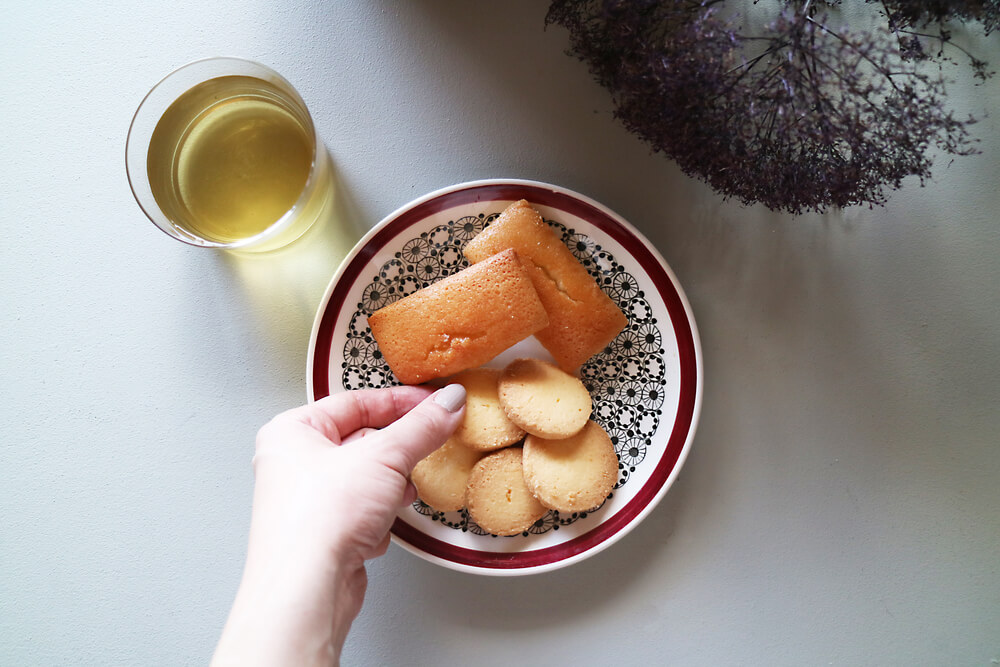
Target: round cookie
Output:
[
  {"x": 497, "y": 497},
  {"x": 574, "y": 474},
  {"x": 441, "y": 477},
  {"x": 544, "y": 400},
  {"x": 485, "y": 426}
]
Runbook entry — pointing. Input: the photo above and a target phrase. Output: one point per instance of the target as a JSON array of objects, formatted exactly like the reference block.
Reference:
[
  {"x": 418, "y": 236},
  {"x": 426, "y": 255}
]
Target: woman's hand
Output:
[{"x": 330, "y": 478}]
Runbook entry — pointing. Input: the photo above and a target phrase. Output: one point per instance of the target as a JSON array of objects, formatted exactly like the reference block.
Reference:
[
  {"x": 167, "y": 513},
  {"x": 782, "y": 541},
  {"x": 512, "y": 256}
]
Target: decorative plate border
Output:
[
  {"x": 628, "y": 379},
  {"x": 678, "y": 309}
]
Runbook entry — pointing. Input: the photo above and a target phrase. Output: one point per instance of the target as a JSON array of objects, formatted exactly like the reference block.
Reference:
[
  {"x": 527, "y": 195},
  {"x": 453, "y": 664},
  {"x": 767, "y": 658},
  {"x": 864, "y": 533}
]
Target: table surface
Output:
[{"x": 840, "y": 504}]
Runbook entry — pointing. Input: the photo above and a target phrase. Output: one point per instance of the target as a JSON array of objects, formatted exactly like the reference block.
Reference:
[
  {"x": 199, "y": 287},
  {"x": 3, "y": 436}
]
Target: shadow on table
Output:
[
  {"x": 283, "y": 288},
  {"x": 556, "y": 598}
]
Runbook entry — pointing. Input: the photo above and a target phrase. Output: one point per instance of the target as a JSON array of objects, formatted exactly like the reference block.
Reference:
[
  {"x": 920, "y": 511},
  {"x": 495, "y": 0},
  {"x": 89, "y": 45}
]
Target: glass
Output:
[{"x": 222, "y": 153}]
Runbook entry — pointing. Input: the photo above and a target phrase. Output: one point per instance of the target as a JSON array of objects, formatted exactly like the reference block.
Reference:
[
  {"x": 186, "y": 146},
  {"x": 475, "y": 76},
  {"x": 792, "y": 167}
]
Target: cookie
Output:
[
  {"x": 485, "y": 426},
  {"x": 498, "y": 498},
  {"x": 575, "y": 474},
  {"x": 441, "y": 478},
  {"x": 543, "y": 400}
]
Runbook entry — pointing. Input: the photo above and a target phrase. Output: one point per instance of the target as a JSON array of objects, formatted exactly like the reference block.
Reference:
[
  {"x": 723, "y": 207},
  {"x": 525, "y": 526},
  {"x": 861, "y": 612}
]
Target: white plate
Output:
[{"x": 646, "y": 385}]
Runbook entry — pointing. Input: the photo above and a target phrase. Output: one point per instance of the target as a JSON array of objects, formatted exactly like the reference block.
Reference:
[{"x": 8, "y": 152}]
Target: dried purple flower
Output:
[{"x": 815, "y": 117}]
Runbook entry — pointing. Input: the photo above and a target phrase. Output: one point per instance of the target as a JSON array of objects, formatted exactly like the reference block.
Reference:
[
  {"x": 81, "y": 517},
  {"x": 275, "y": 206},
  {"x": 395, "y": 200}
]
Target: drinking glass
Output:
[{"x": 222, "y": 153}]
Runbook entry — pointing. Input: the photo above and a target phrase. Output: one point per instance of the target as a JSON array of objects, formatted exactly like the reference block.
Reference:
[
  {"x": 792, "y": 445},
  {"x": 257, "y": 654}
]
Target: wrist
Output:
[{"x": 285, "y": 616}]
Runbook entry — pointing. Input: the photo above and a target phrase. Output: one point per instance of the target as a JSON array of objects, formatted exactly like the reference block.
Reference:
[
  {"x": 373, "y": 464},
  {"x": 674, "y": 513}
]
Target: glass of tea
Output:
[{"x": 222, "y": 153}]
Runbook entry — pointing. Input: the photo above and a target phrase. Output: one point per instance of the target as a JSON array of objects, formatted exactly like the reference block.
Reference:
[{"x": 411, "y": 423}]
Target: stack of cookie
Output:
[{"x": 526, "y": 445}]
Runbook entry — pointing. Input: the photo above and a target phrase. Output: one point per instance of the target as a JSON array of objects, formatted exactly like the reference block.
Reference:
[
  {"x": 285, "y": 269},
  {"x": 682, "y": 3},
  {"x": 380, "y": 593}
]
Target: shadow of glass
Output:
[{"x": 283, "y": 288}]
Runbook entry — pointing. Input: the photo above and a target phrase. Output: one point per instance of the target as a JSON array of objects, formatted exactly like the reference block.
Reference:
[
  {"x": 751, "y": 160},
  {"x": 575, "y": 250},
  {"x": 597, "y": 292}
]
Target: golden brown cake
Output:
[
  {"x": 575, "y": 474},
  {"x": 582, "y": 318},
  {"x": 460, "y": 322}
]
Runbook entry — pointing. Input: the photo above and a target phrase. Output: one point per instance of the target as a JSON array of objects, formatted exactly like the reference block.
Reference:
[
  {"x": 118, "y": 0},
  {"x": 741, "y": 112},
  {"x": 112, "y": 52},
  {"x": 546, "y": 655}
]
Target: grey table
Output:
[{"x": 841, "y": 502}]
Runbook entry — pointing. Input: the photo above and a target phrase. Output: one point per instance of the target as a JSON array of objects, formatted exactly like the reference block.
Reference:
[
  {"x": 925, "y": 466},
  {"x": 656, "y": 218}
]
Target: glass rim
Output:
[{"x": 276, "y": 227}]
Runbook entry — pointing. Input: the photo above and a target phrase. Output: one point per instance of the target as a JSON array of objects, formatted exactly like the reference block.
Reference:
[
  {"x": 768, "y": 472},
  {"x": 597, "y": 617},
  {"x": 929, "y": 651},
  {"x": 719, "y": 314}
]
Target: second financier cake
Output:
[
  {"x": 582, "y": 318},
  {"x": 460, "y": 322}
]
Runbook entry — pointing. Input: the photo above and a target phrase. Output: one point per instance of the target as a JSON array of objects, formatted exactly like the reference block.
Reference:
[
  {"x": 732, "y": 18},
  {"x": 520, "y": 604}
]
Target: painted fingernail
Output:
[{"x": 451, "y": 398}]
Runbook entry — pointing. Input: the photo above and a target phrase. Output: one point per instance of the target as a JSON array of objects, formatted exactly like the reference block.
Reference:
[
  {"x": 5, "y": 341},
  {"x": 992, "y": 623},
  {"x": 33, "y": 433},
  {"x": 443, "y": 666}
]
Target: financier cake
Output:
[
  {"x": 485, "y": 426},
  {"x": 582, "y": 318},
  {"x": 460, "y": 322},
  {"x": 575, "y": 474},
  {"x": 442, "y": 476},
  {"x": 542, "y": 399},
  {"x": 498, "y": 498}
]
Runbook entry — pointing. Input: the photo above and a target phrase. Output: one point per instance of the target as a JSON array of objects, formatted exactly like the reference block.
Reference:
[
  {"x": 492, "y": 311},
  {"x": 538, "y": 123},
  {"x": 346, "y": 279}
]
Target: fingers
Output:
[
  {"x": 421, "y": 430},
  {"x": 410, "y": 494},
  {"x": 341, "y": 414},
  {"x": 380, "y": 548},
  {"x": 357, "y": 435}
]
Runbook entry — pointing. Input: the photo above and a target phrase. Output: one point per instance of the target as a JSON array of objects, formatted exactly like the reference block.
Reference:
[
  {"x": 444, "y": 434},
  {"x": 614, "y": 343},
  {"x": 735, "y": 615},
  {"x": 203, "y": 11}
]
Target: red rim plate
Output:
[{"x": 689, "y": 357}]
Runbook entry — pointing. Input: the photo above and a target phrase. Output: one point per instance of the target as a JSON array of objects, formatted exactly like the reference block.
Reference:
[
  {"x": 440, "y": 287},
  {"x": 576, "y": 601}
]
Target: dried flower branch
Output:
[{"x": 817, "y": 117}]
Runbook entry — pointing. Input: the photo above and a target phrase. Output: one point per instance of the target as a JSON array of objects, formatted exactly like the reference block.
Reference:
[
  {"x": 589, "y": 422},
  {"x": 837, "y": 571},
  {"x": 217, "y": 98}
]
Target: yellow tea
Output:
[{"x": 230, "y": 157}]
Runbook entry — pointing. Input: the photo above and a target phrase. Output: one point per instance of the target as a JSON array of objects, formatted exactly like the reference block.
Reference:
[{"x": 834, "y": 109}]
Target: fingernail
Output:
[{"x": 451, "y": 398}]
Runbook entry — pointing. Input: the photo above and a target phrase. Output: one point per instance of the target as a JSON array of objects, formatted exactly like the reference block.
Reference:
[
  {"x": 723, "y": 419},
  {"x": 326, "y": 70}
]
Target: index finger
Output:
[{"x": 338, "y": 415}]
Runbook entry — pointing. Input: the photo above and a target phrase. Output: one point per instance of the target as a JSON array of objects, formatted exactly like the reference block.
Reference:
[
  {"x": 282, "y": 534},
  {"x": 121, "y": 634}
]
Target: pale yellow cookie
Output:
[
  {"x": 575, "y": 474},
  {"x": 497, "y": 497},
  {"x": 544, "y": 400},
  {"x": 485, "y": 426},
  {"x": 441, "y": 478}
]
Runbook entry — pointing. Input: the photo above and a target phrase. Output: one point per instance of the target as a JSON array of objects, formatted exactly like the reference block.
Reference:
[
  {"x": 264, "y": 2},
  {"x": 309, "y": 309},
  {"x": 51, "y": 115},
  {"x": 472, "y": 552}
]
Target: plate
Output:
[{"x": 646, "y": 384}]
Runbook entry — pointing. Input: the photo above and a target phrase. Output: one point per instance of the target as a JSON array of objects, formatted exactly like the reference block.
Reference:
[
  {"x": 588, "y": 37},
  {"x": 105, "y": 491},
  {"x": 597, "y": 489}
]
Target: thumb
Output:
[{"x": 422, "y": 430}]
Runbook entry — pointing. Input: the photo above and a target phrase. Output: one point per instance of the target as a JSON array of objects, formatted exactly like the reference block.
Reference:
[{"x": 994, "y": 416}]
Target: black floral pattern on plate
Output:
[{"x": 626, "y": 380}]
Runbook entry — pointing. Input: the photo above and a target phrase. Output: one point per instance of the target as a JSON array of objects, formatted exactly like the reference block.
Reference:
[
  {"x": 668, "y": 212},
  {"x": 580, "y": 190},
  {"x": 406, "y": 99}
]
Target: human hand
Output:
[{"x": 330, "y": 478}]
